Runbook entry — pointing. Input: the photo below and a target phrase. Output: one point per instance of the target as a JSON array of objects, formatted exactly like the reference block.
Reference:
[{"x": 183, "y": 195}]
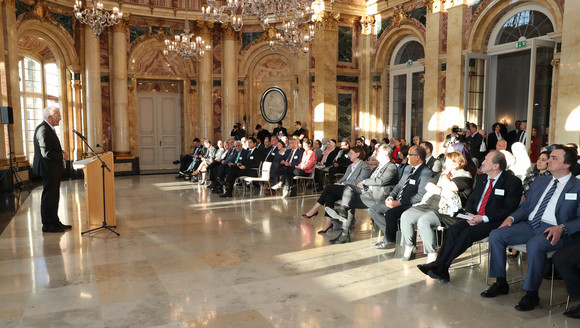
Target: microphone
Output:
[
  {"x": 103, "y": 148},
  {"x": 79, "y": 134}
]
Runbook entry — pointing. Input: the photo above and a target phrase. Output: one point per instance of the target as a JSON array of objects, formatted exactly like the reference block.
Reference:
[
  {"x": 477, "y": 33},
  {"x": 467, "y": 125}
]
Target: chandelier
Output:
[
  {"x": 234, "y": 11},
  {"x": 186, "y": 45},
  {"x": 294, "y": 37},
  {"x": 96, "y": 17}
]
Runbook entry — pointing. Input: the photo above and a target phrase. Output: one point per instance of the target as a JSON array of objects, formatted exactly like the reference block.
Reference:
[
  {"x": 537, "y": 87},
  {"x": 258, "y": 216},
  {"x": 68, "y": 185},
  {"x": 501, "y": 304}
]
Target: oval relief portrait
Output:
[{"x": 274, "y": 105}]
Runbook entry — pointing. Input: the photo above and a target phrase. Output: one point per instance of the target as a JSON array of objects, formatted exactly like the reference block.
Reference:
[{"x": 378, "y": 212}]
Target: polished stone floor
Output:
[{"x": 187, "y": 258}]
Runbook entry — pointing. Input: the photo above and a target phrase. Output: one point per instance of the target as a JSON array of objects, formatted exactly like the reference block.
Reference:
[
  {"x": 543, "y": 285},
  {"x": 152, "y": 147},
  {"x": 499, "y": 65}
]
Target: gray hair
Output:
[
  {"x": 48, "y": 111},
  {"x": 237, "y": 142},
  {"x": 386, "y": 148}
]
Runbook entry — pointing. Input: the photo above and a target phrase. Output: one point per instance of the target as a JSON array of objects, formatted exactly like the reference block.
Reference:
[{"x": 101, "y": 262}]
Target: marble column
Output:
[
  {"x": 92, "y": 75},
  {"x": 3, "y": 77},
  {"x": 455, "y": 64},
  {"x": 326, "y": 59},
  {"x": 568, "y": 107},
  {"x": 431, "y": 98},
  {"x": 205, "y": 85},
  {"x": 303, "y": 88},
  {"x": 119, "y": 90},
  {"x": 77, "y": 107},
  {"x": 368, "y": 126},
  {"x": 12, "y": 79},
  {"x": 230, "y": 80}
]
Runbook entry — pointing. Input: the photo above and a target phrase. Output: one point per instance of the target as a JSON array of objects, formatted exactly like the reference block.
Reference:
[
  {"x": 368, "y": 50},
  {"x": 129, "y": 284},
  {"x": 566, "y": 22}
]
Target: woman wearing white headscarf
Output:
[{"x": 523, "y": 165}]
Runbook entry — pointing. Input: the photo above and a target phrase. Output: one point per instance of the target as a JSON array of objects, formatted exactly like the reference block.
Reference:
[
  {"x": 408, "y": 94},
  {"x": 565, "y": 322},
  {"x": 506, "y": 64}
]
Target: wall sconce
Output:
[{"x": 505, "y": 122}]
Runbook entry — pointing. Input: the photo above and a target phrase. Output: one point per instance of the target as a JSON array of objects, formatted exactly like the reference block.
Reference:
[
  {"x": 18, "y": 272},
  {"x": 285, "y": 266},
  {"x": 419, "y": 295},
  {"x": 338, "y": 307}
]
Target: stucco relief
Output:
[
  {"x": 272, "y": 67},
  {"x": 154, "y": 63}
]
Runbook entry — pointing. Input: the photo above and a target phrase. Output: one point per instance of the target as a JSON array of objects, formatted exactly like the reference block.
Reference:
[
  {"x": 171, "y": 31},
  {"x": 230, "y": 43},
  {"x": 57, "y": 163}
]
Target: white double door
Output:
[{"x": 159, "y": 131}]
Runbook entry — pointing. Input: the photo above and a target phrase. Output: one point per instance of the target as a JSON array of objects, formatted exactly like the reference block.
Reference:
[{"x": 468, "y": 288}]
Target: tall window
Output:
[{"x": 39, "y": 87}]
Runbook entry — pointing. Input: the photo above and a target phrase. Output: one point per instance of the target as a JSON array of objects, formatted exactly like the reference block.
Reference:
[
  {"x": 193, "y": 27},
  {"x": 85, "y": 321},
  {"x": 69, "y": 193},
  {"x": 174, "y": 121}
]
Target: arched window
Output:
[
  {"x": 528, "y": 24},
  {"x": 412, "y": 51},
  {"x": 39, "y": 87}
]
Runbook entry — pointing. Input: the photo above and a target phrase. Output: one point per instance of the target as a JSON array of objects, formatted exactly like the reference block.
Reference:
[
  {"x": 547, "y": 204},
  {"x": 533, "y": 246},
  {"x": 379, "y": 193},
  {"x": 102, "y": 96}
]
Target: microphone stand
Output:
[{"x": 103, "y": 167}]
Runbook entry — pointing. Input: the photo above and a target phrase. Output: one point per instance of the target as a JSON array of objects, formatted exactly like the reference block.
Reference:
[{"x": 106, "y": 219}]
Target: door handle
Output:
[{"x": 159, "y": 143}]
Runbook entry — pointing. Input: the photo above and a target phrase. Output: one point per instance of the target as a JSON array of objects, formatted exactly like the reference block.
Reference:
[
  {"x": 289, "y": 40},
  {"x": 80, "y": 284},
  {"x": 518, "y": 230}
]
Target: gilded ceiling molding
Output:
[
  {"x": 39, "y": 11},
  {"x": 11, "y": 3},
  {"x": 229, "y": 32},
  {"x": 326, "y": 20},
  {"x": 174, "y": 8},
  {"x": 367, "y": 23},
  {"x": 399, "y": 17},
  {"x": 204, "y": 28},
  {"x": 151, "y": 5},
  {"x": 268, "y": 35}
]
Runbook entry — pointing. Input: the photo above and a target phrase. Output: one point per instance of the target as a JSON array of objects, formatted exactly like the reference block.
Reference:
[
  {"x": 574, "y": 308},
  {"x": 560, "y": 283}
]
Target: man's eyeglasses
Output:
[{"x": 413, "y": 154}]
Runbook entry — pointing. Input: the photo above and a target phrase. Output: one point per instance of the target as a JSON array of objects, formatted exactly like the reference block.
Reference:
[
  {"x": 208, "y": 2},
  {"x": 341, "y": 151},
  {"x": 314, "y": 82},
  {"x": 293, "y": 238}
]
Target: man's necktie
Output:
[
  {"x": 376, "y": 171},
  {"x": 238, "y": 157},
  {"x": 400, "y": 195},
  {"x": 538, "y": 217},
  {"x": 481, "y": 210}
]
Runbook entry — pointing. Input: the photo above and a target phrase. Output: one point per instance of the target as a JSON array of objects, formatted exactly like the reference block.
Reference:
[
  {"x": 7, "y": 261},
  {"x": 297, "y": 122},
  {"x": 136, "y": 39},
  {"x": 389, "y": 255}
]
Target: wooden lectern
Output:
[{"x": 94, "y": 189}]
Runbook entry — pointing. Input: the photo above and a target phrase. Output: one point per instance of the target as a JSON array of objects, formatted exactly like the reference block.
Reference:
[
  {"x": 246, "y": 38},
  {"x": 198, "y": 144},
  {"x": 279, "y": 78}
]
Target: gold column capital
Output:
[
  {"x": 367, "y": 23},
  {"x": 11, "y": 3},
  {"x": 204, "y": 28},
  {"x": 229, "y": 32},
  {"x": 121, "y": 26},
  {"x": 555, "y": 62},
  {"x": 326, "y": 20}
]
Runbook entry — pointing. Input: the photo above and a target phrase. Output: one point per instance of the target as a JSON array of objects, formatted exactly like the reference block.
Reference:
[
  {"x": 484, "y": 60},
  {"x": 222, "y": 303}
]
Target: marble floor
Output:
[{"x": 187, "y": 258}]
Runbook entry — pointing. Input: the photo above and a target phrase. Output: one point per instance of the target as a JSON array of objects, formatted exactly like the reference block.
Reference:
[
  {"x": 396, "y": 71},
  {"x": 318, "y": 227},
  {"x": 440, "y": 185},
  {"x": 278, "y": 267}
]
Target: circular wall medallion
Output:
[{"x": 274, "y": 105}]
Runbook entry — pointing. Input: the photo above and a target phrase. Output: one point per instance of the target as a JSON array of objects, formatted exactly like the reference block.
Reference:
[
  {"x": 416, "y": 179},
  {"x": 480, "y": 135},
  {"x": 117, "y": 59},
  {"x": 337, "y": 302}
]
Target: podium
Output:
[{"x": 94, "y": 189}]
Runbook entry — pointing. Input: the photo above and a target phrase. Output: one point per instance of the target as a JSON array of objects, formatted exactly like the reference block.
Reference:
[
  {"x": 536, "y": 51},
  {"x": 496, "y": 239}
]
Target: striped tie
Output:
[
  {"x": 538, "y": 217},
  {"x": 400, "y": 195}
]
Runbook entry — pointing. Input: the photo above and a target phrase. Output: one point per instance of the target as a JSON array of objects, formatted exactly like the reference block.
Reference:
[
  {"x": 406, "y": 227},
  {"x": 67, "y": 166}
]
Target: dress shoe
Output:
[
  {"x": 324, "y": 230},
  {"x": 385, "y": 245},
  {"x": 341, "y": 239},
  {"x": 425, "y": 268},
  {"x": 176, "y": 162},
  {"x": 226, "y": 195},
  {"x": 573, "y": 312},
  {"x": 412, "y": 256},
  {"x": 443, "y": 275},
  {"x": 64, "y": 226},
  {"x": 52, "y": 229},
  {"x": 528, "y": 302},
  {"x": 217, "y": 190},
  {"x": 309, "y": 216},
  {"x": 514, "y": 255},
  {"x": 496, "y": 289},
  {"x": 179, "y": 176}
]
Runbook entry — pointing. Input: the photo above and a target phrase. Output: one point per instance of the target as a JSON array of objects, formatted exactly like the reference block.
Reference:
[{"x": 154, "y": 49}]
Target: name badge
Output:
[
  {"x": 251, "y": 157},
  {"x": 571, "y": 196},
  {"x": 412, "y": 181},
  {"x": 500, "y": 192},
  {"x": 346, "y": 156},
  {"x": 295, "y": 157}
]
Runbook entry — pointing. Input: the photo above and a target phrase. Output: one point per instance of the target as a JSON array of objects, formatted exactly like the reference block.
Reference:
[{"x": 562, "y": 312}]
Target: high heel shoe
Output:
[
  {"x": 310, "y": 216},
  {"x": 410, "y": 257},
  {"x": 325, "y": 230}
]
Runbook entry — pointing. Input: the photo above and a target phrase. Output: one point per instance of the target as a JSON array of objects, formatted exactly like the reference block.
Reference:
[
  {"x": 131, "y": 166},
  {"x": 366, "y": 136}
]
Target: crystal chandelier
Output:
[
  {"x": 234, "y": 11},
  {"x": 96, "y": 17},
  {"x": 294, "y": 37},
  {"x": 186, "y": 45}
]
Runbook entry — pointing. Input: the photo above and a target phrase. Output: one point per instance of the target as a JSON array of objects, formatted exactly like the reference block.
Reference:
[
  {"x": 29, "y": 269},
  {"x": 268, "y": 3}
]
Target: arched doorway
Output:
[
  {"x": 406, "y": 90},
  {"x": 513, "y": 81}
]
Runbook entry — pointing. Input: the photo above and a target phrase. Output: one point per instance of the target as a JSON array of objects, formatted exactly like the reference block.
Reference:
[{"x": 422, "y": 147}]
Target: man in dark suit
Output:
[
  {"x": 48, "y": 163},
  {"x": 435, "y": 165},
  {"x": 186, "y": 160},
  {"x": 407, "y": 192},
  {"x": 221, "y": 171},
  {"x": 496, "y": 194},
  {"x": 368, "y": 192},
  {"x": 567, "y": 263},
  {"x": 475, "y": 139},
  {"x": 292, "y": 158},
  {"x": 547, "y": 220},
  {"x": 247, "y": 165},
  {"x": 340, "y": 163},
  {"x": 514, "y": 135}
]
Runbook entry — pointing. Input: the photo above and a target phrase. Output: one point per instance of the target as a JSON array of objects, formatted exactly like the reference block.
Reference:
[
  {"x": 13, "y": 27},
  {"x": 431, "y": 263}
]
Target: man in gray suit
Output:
[
  {"x": 408, "y": 191},
  {"x": 368, "y": 192},
  {"x": 48, "y": 163}
]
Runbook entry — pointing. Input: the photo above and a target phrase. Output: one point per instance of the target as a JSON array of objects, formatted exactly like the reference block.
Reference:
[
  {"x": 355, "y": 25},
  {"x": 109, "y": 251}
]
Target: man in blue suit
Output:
[
  {"x": 548, "y": 220},
  {"x": 407, "y": 192}
]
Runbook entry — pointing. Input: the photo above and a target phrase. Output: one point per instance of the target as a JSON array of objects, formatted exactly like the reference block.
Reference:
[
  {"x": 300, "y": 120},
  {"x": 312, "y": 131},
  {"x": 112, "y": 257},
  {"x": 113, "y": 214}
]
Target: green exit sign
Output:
[
  {"x": 521, "y": 44},
  {"x": 409, "y": 62}
]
